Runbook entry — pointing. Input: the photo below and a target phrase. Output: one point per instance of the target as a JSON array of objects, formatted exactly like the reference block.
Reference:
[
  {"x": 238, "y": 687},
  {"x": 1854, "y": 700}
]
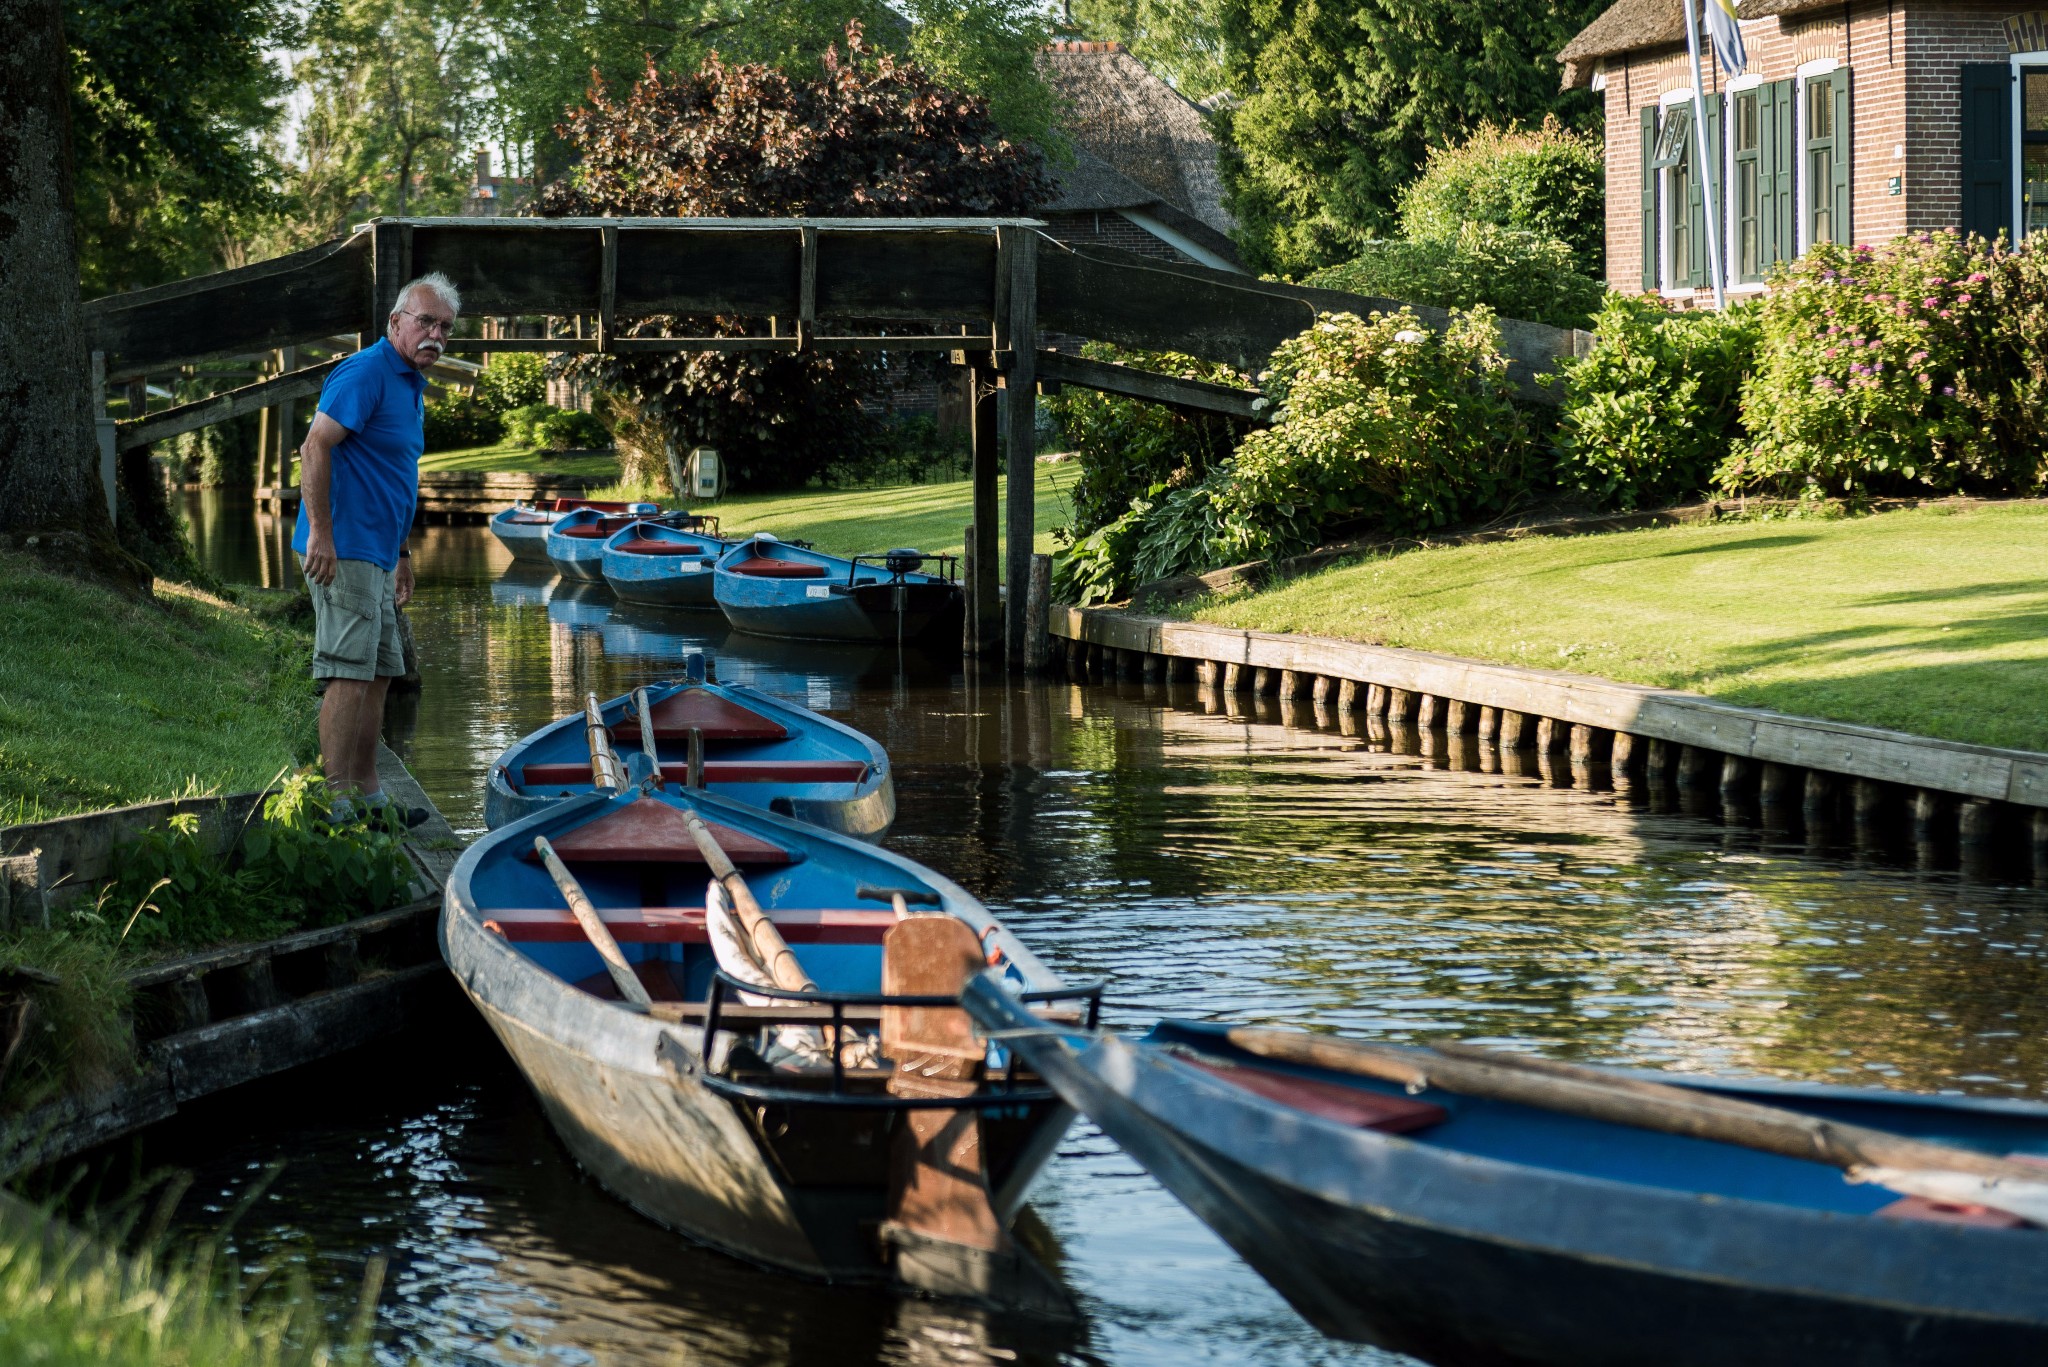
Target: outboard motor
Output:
[{"x": 901, "y": 561}]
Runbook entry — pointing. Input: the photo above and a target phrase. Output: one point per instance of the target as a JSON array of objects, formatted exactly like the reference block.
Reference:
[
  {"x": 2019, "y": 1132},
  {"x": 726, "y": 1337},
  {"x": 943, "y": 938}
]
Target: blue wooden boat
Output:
[
  {"x": 669, "y": 566},
  {"x": 899, "y": 1159},
  {"x": 523, "y": 528},
  {"x": 758, "y": 750},
  {"x": 1467, "y": 1229},
  {"x": 575, "y": 542},
  {"x": 775, "y": 588}
]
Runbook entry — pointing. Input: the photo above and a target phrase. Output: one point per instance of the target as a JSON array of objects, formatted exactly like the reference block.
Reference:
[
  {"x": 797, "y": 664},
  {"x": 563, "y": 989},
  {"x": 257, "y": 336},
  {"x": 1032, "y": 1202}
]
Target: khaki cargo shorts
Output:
[{"x": 355, "y": 624}]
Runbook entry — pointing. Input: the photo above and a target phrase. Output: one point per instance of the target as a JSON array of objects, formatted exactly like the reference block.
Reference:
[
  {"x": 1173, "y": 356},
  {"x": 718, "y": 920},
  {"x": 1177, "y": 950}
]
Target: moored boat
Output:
[
  {"x": 575, "y": 542},
  {"x": 652, "y": 562},
  {"x": 523, "y": 528},
  {"x": 774, "y": 588},
  {"x": 1466, "y": 1228},
  {"x": 852, "y": 1130},
  {"x": 757, "y": 749}
]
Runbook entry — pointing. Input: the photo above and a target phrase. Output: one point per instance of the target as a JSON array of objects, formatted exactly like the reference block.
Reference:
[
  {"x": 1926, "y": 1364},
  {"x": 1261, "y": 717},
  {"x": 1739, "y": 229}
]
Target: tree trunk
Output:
[{"x": 49, "y": 452}]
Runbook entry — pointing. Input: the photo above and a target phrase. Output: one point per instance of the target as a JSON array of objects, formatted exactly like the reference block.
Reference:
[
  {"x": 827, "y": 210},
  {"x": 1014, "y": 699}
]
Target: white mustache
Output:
[{"x": 434, "y": 347}]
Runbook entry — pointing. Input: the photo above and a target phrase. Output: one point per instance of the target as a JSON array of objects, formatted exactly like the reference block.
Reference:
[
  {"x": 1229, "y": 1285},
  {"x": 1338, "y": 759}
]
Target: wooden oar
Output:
[
  {"x": 694, "y": 772},
  {"x": 1574, "y": 1090},
  {"x": 647, "y": 732},
  {"x": 769, "y": 946},
  {"x": 605, "y": 771},
  {"x": 593, "y": 925}
]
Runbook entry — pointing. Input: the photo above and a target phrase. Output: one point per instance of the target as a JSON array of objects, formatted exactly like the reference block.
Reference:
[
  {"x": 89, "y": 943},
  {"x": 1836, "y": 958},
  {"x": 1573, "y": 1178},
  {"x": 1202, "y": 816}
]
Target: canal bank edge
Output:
[
  {"x": 220, "y": 1017},
  {"x": 1554, "y": 710}
]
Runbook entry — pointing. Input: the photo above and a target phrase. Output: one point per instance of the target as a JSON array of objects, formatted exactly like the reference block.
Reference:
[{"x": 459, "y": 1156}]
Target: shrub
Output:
[
  {"x": 1648, "y": 416},
  {"x": 569, "y": 429},
  {"x": 1516, "y": 274},
  {"x": 520, "y": 422},
  {"x": 1548, "y": 180},
  {"x": 1377, "y": 419},
  {"x": 460, "y": 421},
  {"x": 1882, "y": 369},
  {"x": 908, "y": 450},
  {"x": 513, "y": 379},
  {"x": 1127, "y": 445},
  {"x": 2013, "y": 364}
]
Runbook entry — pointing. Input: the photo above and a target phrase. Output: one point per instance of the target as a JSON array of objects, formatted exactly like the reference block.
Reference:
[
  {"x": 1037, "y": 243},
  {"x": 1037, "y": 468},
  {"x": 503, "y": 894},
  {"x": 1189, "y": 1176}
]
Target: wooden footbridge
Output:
[{"x": 989, "y": 292}]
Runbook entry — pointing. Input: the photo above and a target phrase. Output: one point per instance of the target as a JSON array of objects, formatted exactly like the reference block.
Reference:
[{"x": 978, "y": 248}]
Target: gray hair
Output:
[{"x": 435, "y": 282}]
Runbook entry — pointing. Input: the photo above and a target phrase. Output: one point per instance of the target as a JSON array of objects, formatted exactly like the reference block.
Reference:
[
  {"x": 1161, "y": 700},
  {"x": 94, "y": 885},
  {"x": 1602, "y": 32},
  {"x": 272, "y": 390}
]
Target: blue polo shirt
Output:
[{"x": 381, "y": 400}]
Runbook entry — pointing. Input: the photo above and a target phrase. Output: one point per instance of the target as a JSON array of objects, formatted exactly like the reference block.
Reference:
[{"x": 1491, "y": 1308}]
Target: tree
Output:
[
  {"x": 867, "y": 137},
  {"x": 170, "y": 100},
  {"x": 1338, "y": 105},
  {"x": 49, "y": 459},
  {"x": 1182, "y": 40}
]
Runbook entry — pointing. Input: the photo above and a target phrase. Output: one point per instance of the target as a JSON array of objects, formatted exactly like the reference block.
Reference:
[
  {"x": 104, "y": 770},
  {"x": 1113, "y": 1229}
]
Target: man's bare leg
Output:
[{"x": 351, "y": 715}]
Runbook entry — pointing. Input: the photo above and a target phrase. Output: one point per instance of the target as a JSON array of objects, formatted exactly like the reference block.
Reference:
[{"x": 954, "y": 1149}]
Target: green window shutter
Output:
[
  {"x": 1649, "y": 200},
  {"x": 1783, "y": 143},
  {"x": 1770, "y": 112},
  {"x": 1716, "y": 155},
  {"x": 1987, "y": 148},
  {"x": 1844, "y": 153},
  {"x": 1696, "y": 214}
]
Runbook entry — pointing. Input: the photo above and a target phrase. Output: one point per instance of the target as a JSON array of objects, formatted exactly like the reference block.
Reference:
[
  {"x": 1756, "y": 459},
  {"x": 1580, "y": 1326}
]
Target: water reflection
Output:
[{"x": 1242, "y": 857}]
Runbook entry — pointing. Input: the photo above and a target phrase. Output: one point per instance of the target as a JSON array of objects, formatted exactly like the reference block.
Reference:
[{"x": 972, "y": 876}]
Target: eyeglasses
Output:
[{"x": 429, "y": 322}]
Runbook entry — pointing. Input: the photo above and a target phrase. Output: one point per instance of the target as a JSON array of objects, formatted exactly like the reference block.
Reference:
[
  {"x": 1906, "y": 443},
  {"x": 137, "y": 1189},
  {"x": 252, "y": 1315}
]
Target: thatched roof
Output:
[
  {"x": 1130, "y": 126},
  {"x": 1637, "y": 25}
]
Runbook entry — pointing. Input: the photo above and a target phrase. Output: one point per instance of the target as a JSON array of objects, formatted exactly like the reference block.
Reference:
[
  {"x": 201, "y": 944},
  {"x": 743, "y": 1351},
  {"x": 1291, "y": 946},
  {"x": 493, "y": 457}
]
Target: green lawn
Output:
[
  {"x": 930, "y": 517},
  {"x": 105, "y": 701},
  {"x": 1931, "y": 620},
  {"x": 523, "y": 459}
]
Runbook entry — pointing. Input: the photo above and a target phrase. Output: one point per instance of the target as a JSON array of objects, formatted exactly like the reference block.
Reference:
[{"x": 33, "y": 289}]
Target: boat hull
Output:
[
  {"x": 868, "y": 612},
  {"x": 526, "y": 540},
  {"x": 1461, "y": 1259},
  {"x": 677, "y": 589}
]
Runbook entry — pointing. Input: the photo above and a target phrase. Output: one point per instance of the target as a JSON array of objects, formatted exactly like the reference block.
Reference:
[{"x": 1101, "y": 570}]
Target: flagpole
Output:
[{"x": 1706, "y": 170}]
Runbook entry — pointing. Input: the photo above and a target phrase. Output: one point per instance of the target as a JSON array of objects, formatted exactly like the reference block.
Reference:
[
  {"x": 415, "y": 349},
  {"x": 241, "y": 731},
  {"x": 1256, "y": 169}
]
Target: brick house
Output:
[{"x": 1855, "y": 121}]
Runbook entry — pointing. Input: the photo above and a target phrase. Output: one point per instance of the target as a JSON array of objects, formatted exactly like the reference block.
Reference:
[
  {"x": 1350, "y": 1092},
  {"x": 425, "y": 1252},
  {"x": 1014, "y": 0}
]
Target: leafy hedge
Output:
[
  {"x": 1647, "y": 417},
  {"x": 460, "y": 421},
  {"x": 1548, "y": 180},
  {"x": 1515, "y": 273}
]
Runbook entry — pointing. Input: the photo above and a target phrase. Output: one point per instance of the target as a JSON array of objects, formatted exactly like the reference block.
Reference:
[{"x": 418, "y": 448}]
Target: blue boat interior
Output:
[
  {"x": 1555, "y": 1141},
  {"x": 763, "y": 558},
  {"x": 755, "y": 750}
]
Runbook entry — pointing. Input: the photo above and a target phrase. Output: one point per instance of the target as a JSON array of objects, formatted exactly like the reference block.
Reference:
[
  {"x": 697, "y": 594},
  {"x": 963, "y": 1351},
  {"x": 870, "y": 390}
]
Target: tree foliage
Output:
[
  {"x": 869, "y": 136},
  {"x": 169, "y": 103},
  {"x": 1549, "y": 180},
  {"x": 1338, "y": 104},
  {"x": 1182, "y": 40}
]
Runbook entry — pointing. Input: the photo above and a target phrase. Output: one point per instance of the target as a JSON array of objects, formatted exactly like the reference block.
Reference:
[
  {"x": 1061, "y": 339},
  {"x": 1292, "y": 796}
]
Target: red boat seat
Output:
[
  {"x": 715, "y": 771},
  {"x": 761, "y": 567},
  {"x": 662, "y": 980},
  {"x": 646, "y": 545},
  {"x": 592, "y": 531},
  {"x": 1355, "y": 1106},
  {"x": 717, "y": 716},
  {"x": 685, "y": 925},
  {"x": 1949, "y": 1213},
  {"x": 649, "y": 831}
]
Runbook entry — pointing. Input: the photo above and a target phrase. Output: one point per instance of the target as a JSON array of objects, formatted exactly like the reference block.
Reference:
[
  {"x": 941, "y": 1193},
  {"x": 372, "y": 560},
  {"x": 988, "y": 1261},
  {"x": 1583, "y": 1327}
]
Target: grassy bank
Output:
[
  {"x": 519, "y": 459},
  {"x": 105, "y": 701},
  {"x": 1931, "y": 620},
  {"x": 930, "y": 517}
]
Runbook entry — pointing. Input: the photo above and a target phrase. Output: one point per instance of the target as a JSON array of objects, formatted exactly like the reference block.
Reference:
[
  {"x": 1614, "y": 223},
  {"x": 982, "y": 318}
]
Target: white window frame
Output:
[
  {"x": 1802, "y": 227},
  {"x": 1667, "y": 217},
  {"x": 1729, "y": 269},
  {"x": 2020, "y": 61}
]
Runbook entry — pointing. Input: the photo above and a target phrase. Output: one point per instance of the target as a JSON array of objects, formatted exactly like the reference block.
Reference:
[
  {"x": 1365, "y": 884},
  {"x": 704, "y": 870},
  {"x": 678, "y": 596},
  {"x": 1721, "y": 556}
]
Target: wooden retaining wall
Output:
[{"x": 1983, "y": 808}]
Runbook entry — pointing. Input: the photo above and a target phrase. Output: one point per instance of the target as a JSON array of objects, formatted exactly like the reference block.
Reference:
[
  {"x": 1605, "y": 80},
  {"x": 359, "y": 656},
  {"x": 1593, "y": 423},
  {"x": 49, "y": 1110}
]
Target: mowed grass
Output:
[
  {"x": 928, "y": 517},
  {"x": 518, "y": 459},
  {"x": 1931, "y": 620},
  {"x": 104, "y": 701}
]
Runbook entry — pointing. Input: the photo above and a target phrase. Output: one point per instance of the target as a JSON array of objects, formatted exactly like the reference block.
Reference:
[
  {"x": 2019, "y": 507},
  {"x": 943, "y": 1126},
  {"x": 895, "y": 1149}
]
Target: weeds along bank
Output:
[
  {"x": 107, "y": 701},
  {"x": 1917, "y": 367}
]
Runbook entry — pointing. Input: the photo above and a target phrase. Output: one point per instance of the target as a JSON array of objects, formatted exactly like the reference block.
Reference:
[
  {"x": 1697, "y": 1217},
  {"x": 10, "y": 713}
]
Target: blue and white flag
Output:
[{"x": 1726, "y": 35}]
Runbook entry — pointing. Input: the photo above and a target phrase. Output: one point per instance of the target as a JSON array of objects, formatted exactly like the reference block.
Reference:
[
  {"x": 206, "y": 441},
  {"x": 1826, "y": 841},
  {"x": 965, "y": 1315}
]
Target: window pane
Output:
[
  {"x": 1820, "y": 194},
  {"x": 2034, "y": 99},
  {"x": 1748, "y": 241},
  {"x": 1820, "y": 110},
  {"x": 2034, "y": 188},
  {"x": 1680, "y": 202},
  {"x": 1745, "y": 122},
  {"x": 1674, "y": 136}
]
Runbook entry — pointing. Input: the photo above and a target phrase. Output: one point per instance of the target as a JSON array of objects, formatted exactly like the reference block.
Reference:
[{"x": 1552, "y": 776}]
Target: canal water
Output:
[{"x": 1209, "y": 862}]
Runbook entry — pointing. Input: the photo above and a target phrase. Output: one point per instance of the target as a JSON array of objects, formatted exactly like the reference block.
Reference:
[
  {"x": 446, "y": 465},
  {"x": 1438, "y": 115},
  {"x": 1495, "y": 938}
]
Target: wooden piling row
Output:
[{"x": 1715, "y": 772}]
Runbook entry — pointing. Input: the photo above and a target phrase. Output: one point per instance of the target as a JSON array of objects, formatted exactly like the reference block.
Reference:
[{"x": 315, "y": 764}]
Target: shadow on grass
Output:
[
  {"x": 1753, "y": 543},
  {"x": 2011, "y": 588}
]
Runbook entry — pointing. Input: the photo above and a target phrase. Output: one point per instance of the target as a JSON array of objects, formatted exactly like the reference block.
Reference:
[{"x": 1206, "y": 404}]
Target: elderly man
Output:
[{"x": 359, "y": 475}]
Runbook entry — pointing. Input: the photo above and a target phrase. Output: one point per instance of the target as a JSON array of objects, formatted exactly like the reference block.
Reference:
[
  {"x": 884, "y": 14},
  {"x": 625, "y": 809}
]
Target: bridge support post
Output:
[
  {"x": 1019, "y": 331},
  {"x": 984, "y": 605}
]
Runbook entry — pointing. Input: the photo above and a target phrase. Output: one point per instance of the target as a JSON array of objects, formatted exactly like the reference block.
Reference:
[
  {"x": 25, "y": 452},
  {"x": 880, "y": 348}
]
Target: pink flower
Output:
[
  {"x": 1929, "y": 302},
  {"x": 1962, "y": 299},
  {"x": 1978, "y": 277},
  {"x": 1833, "y": 352},
  {"x": 1925, "y": 380}
]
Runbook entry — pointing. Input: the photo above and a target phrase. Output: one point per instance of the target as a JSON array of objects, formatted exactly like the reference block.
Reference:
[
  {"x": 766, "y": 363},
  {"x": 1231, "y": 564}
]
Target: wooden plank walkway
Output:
[
  {"x": 1833, "y": 771},
  {"x": 221, "y": 1017}
]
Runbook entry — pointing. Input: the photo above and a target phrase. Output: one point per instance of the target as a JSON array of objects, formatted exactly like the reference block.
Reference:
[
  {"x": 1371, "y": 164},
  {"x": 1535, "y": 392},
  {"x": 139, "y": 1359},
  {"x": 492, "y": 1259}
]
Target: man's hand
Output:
[
  {"x": 402, "y": 589},
  {"x": 320, "y": 561}
]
